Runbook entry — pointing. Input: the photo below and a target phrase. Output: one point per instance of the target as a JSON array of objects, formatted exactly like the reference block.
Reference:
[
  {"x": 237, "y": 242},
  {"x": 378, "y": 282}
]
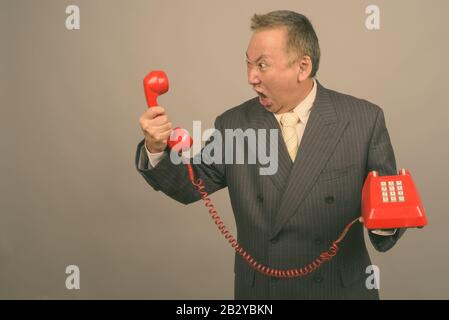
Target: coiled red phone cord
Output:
[{"x": 290, "y": 273}]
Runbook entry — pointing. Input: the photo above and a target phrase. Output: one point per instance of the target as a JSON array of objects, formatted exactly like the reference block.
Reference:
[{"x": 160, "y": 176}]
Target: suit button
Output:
[
  {"x": 274, "y": 241},
  {"x": 260, "y": 197},
  {"x": 329, "y": 199},
  {"x": 318, "y": 241},
  {"x": 318, "y": 279}
]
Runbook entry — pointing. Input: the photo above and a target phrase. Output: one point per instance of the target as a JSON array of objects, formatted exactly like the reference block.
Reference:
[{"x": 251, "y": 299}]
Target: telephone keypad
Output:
[{"x": 392, "y": 191}]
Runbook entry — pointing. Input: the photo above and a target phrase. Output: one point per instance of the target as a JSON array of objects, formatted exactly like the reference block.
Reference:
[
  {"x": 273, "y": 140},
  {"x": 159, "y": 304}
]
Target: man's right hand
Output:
[{"x": 156, "y": 129}]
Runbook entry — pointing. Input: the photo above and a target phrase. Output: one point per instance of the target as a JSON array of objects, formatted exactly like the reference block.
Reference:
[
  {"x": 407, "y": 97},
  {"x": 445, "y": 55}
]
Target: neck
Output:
[{"x": 303, "y": 91}]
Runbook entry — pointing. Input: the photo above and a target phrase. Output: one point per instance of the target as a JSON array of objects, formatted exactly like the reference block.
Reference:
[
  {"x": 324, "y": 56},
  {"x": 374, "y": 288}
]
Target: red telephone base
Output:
[{"x": 391, "y": 202}]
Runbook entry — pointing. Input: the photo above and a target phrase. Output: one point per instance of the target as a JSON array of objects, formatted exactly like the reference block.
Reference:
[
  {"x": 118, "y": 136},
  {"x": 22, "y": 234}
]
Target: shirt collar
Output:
[{"x": 303, "y": 108}]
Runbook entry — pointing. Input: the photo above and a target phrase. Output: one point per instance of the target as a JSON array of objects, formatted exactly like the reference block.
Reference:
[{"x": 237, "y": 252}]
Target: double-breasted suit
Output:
[{"x": 287, "y": 219}]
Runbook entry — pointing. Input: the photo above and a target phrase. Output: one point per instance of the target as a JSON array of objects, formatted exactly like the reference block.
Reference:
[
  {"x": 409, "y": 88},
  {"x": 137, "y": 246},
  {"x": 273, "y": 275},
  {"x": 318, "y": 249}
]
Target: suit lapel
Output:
[{"x": 322, "y": 133}]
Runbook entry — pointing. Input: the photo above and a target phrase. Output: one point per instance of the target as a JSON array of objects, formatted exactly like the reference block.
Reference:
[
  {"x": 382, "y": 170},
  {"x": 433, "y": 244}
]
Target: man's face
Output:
[{"x": 269, "y": 72}]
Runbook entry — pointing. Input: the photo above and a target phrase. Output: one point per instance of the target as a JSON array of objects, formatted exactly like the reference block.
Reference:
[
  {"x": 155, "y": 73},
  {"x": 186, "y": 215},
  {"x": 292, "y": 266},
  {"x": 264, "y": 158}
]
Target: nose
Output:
[{"x": 253, "y": 76}]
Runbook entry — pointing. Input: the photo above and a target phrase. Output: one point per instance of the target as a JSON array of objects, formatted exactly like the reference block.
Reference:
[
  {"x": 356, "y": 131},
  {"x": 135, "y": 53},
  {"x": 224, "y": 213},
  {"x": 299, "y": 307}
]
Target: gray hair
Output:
[{"x": 301, "y": 37}]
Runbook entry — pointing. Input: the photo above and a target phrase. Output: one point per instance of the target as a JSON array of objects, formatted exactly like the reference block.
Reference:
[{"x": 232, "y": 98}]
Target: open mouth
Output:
[
  {"x": 261, "y": 95},
  {"x": 263, "y": 99}
]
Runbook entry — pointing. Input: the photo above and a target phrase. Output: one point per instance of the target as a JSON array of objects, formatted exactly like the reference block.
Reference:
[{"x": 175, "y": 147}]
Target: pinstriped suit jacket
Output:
[{"x": 287, "y": 219}]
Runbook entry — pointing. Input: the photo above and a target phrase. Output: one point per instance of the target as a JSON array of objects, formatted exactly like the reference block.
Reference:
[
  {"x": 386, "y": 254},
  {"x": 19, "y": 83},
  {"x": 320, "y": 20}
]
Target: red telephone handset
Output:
[
  {"x": 377, "y": 213},
  {"x": 391, "y": 202},
  {"x": 155, "y": 84}
]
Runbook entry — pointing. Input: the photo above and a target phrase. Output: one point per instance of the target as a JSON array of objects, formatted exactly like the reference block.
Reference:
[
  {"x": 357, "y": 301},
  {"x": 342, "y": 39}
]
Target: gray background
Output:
[{"x": 70, "y": 103}]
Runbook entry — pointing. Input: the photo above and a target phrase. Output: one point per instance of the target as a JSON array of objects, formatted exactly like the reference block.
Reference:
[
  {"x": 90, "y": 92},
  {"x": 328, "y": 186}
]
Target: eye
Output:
[{"x": 262, "y": 65}]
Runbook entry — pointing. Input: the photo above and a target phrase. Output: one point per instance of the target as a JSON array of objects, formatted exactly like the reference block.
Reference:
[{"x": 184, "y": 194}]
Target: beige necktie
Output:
[{"x": 289, "y": 120}]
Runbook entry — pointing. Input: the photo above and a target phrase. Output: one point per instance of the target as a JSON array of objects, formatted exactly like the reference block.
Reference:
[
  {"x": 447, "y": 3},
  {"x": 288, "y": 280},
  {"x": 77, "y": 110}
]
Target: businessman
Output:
[{"x": 327, "y": 144}]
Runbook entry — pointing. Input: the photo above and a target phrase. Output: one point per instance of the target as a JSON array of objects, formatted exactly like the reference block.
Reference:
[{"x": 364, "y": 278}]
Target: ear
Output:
[{"x": 305, "y": 68}]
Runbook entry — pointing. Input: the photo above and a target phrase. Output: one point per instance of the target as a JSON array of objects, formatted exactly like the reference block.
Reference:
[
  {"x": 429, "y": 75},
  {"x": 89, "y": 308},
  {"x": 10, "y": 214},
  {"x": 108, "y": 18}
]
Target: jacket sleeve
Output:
[
  {"x": 381, "y": 159},
  {"x": 173, "y": 179}
]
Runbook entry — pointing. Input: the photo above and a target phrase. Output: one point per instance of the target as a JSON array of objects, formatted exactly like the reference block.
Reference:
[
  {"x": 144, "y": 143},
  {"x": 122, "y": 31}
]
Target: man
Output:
[{"x": 328, "y": 144}]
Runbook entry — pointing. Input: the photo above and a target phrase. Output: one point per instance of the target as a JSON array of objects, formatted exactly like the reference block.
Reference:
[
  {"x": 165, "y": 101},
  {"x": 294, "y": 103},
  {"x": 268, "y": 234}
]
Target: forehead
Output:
[{"x": 270, "y": 42}]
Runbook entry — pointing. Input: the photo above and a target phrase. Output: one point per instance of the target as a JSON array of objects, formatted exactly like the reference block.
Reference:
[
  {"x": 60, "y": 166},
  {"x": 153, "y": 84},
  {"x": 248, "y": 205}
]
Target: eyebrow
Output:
[{"x": 258, "y": 59}]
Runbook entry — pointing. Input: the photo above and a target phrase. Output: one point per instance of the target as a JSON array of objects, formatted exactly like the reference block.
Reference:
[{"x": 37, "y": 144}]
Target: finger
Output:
[
  {"x": 165, "y": 127},
  {"x": 165, "y": 135},
  {"x": 154, "y": 112},
  {"x": 159, "y": 121},
  {"x": 157, "y": 130}
]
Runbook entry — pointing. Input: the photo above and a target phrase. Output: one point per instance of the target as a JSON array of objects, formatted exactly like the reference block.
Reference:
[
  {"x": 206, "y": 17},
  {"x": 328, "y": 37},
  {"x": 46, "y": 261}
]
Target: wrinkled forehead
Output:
[{"x": 268, "y": 42}]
